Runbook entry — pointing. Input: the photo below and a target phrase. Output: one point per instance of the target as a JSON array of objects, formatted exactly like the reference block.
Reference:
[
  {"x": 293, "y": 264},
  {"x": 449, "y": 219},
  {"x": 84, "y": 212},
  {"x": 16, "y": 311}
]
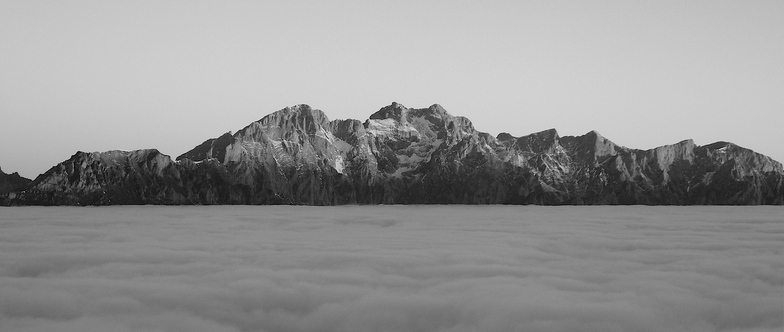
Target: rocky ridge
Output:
[
  {"x": 408, "y": 156},
  {"x": 12, "y": 182}
]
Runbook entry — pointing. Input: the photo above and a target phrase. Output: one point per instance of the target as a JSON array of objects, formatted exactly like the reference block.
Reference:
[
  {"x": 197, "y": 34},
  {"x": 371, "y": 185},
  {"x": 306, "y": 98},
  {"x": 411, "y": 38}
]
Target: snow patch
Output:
[{"x": 339, "y": 164}]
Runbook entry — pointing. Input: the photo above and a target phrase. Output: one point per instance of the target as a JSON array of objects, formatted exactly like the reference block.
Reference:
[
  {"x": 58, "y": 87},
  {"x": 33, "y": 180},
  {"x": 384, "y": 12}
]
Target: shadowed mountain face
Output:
[
  {"x": 408, "y": 156},
  {"x": 12, "y": 182}
]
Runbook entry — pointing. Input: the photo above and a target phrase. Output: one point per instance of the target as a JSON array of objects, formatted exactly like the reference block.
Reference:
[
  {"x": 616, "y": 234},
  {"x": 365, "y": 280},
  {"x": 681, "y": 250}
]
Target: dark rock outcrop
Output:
[
  {"x": 12, "y": 182},
  {"x": 409, "y": 156}
]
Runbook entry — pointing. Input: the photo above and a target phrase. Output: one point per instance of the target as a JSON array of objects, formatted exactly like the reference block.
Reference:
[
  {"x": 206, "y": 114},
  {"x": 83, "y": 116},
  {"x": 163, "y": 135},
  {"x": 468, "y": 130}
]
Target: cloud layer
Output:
[{"x": 392, "y": 268}]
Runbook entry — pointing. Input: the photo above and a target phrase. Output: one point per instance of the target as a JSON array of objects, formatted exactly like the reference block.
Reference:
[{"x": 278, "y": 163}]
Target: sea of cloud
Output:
[{"x": 392, "y": 268}]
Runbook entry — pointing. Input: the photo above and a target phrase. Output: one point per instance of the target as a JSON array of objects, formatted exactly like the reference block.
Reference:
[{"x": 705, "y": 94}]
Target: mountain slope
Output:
[
  {"x": 12, "y": 182},
  {"x": 409, "y": 156}
]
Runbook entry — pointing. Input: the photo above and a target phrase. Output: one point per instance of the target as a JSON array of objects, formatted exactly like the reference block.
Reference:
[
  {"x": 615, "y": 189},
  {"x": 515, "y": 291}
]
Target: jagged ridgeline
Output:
[{"x": 407, "y": 156}]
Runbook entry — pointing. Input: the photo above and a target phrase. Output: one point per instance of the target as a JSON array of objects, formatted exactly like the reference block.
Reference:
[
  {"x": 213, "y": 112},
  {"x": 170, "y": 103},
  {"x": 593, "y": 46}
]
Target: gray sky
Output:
[{"x": 103, "y": 75}]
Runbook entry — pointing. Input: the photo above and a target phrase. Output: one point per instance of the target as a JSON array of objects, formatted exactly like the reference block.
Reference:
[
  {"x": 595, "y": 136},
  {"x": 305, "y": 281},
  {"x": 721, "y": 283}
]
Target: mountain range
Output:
[{"x": 403, "y": 155}]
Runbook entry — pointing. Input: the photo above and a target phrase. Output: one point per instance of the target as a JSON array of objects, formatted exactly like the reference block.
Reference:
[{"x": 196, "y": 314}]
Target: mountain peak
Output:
[
  {"x": 538, "y": 142},
  {"x": 726, "y": 151},
  {"x": 504, "y": 136},
  {"x": 12, "y": 182},
  {"x": 296, "y": 110},
  {"x": 398, "y": 112},
  {"x": 394, "y": 111},
  {"x": 298, "y": 117},
  {"x": 719, "y": 145},
  {"x": 436, "y": 108},
  {"x": 591, "y": 148},
  {"x": 299, "y": 108},
  {"x": 408, "y": 156}
]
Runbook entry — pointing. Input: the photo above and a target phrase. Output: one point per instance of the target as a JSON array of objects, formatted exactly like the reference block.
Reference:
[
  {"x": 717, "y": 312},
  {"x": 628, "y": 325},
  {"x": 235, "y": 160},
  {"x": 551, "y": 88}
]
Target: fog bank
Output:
[{"x": 392, "y": 268}]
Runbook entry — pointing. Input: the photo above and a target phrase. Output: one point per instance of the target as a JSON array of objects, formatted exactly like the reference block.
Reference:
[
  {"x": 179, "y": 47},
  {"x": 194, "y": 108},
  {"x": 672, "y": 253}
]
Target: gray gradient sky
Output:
[{"x": 103, "y": 75}]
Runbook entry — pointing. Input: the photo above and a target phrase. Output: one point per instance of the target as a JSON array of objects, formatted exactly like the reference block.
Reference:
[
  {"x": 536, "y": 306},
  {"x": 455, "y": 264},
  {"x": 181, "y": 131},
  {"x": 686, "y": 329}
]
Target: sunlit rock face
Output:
[{"x": 409, "y": 156}]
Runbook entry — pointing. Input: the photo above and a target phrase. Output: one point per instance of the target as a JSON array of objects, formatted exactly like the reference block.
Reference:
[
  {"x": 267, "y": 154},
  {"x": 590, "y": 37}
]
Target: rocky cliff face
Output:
[
  {"x": 409, "y": 156},
  {"x": 12, "y": 182}
]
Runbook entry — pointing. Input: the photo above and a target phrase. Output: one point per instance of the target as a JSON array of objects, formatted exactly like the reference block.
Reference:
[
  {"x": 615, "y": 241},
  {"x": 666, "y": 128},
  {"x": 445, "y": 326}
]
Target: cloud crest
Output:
[{"x": 392, "y": 268}]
